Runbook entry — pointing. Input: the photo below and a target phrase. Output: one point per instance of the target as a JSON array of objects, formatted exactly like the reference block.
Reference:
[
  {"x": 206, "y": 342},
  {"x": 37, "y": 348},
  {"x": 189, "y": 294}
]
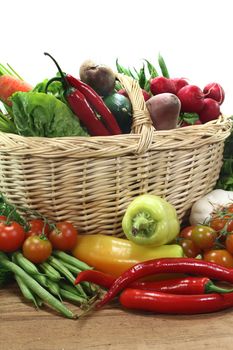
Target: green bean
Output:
[
  {"x": 54, "y": 288},
  {"x": 30, "y": 268},
  {"x": 26, "y": 264},
  {"x": 39, "y": 301},
  {"x": 50, "y": 272},
  {"x": 71, "y": 260},
  {"x": 72, "y": 297},
  {"x": 65, "y": 272},
  {"x": 26, "y": 291},
  {"x": 71, "y": 267},
  {"x": 89, "y": 288},
  {"x": 69, "y": 287},
  {"x": 36, "y": 287},
  {"x": 41, "y": 279}
]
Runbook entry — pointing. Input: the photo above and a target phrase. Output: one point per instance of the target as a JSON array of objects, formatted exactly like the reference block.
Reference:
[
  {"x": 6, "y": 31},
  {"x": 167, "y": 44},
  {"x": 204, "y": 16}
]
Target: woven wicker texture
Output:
[{"x": 91, "y": 180}]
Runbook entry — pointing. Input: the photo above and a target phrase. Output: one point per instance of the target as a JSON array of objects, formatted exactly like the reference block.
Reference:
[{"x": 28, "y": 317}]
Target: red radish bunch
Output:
[
  {"x": 214, "y": 91},
  {"x": 179, "y": 83},
  {"x": 210, "y": 110},
  {"x": 191, "y": 98},
  {"x": 206, "y": 103},
  {"x": 159, "y": 85}
]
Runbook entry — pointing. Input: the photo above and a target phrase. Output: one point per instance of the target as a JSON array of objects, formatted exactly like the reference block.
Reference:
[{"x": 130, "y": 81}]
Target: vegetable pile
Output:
[
  {"x": 95, "y": 103},
  {"x": 35, "y": 253},
  {"x": 157, "y": 265},
  {"x": 54, "y": 265}
]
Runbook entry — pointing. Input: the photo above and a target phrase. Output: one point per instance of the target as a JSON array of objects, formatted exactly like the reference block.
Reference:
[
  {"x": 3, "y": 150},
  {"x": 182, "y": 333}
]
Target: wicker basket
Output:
[{"x": 91, "y": 180}]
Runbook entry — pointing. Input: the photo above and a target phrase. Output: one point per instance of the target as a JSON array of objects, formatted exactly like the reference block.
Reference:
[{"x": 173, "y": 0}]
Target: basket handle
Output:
[{"x": 142, "y": 123}]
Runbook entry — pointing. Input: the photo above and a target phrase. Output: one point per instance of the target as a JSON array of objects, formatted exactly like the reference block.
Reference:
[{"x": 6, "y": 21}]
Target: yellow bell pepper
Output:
[
  {"x": 115, "y": 255},
  {"x": 150, "y": 220}
]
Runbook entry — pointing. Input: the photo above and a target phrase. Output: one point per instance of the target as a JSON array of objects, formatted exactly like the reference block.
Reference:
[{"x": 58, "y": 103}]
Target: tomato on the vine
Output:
[
  {"x": 186, "y": 232},
  {"x": 37, "y": 249},
  {"x": 220, "y": 257},
  {"x": 219, "y": 223},
  {"x": 189, "y": 248},
  {"x": 229, "y": 243},
  {"x": 12, "y": 236},
  {"x": 37, "y": 227},
  {"x": 63, "y": 236},
  {"x": 203, "y": 236},
  {"x": 230, "y": 208}
]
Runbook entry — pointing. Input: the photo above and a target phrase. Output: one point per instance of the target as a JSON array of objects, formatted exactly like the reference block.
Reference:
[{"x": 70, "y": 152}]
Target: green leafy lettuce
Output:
[{"x": 40, "y": 114}]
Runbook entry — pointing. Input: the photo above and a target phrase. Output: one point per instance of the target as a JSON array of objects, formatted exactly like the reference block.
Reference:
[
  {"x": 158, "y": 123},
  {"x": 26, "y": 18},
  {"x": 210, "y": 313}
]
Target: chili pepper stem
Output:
[{"x": 212, "y": 288}]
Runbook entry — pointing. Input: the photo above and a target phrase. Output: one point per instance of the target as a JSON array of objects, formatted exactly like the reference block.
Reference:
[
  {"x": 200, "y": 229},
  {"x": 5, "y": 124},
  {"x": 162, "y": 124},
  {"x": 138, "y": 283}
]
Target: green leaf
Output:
[
  {"x": 163, "y": 66},
  {"x": 151, "y": 69},
  {"x": 189, "y": 118},
  {"x": 142, "y": 77},
  {"x": 40, "y": 114}
]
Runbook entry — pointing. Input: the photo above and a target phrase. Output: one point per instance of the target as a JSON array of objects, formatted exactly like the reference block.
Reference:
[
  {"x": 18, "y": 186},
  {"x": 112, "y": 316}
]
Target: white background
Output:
[{"x": 194, "y": 37}]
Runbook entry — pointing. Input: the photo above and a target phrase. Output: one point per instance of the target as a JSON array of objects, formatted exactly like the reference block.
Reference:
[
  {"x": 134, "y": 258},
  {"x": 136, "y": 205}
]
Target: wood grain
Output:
[{"x": 22, "y": 327}]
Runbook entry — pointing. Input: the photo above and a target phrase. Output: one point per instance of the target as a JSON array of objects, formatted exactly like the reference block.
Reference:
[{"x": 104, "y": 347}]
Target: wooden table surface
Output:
[{"x": 22, "y": 327}]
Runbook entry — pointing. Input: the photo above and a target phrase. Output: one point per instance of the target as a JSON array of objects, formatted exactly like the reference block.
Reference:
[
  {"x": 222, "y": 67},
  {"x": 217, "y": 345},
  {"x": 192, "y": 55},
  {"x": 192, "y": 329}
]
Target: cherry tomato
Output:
[
  {"x": 186, "y": 232},
  {"x": 189, "y": 248},
  {"x": 203, "y": 237},
  {"x": 12, "y": 236},
  {"x": 220, "y": 223},
  {"x": 37, "y": 249},
  {"x": 220, "y": 257},
  {"x": 230, "y": 208},
  {"x": 229, "y": 243},
  {"x": 63, "y": 236},
  {"x": 37, "y": 227}
]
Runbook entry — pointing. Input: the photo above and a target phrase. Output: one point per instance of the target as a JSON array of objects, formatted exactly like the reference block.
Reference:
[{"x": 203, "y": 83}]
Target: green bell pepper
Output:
[{"x": 150, "y": 220}]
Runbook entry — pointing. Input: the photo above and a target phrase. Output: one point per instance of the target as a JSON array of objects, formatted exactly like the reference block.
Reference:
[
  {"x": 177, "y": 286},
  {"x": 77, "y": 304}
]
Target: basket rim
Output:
[{"x": 114, "y": 145}]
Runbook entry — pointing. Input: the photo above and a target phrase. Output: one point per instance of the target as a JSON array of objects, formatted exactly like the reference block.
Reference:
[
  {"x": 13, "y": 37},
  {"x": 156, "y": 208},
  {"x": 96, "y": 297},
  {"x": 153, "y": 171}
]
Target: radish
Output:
[
  {"x": 214, "y": 91},
  {"x": 10, "y": 84},
  {"x": 146, "y": 95},
  {"x": 210, "y": 111},
  {"x": 160, "y": 85},
  {"x": 179, "y": 83},
  {"x": 191, "y": 98}
]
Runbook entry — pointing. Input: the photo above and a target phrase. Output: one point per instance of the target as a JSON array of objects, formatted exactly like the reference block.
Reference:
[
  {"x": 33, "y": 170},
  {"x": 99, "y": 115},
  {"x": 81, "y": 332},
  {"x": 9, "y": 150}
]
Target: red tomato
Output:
[
  {"x": 203, "y": 237},
  {"x": 229, "y": 243},
  {"x": 37, "y": 227},
  {"x": 189, "y": 248},
  {"x": 220, "y": 257},
  {"x": 222, "y": 223},
  {"x": 186, "y": 232},
  {"x": 12, "y": 236},
  {"x": 63, "y": 236},
  {"x": 37, "y": 249}
]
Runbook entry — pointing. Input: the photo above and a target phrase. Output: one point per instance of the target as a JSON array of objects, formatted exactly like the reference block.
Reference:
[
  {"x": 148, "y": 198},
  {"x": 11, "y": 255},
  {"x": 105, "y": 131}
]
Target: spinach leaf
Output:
[{"x": 40, "y": 114}]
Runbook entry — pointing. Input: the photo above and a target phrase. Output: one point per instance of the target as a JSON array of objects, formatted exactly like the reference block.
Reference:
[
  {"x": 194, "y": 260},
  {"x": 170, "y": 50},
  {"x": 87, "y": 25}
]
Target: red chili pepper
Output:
[
  {"x": 167, "y": 265},
  {"x": 97, "y": 103},
  {"x": 165, "y": 303},
  {"x": 80, "y": 106},
  {"x": 97, "y": 277},
  {"x": 187, "y": 285}
]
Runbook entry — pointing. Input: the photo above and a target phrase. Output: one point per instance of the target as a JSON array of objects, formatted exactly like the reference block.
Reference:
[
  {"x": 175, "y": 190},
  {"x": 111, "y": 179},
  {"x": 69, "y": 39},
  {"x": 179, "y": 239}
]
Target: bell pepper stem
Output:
[{"x": 142, "y": 223}]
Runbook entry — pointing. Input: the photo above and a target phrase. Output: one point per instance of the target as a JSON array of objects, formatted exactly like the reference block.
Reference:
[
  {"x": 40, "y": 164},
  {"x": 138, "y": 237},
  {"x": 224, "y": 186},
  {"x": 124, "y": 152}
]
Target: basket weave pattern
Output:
[{"x": 91, "y": 180}]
